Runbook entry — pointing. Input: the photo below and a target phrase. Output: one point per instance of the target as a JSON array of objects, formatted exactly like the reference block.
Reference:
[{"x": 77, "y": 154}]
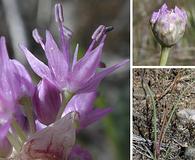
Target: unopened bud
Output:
[{"x": 168, "y": 26}]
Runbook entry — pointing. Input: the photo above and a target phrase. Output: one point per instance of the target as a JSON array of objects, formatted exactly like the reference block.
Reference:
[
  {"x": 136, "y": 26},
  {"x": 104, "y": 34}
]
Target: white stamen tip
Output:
[{"x": 36, "y": 36}]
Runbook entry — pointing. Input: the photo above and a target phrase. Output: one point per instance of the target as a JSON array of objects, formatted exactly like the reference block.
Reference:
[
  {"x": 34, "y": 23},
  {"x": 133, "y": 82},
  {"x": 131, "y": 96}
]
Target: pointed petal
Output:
[
  {"x": 26, "y": 86},
  {"x": 87, "y": 66},
  {"x": 94, "y": 116},
  {"x": 81, "y": 103},
  {"x": 3, "y": 51},
  {"x": 94, "y": 82},
  {"x": 38, "y": 67},
  {"x": 56, "y": 60}
]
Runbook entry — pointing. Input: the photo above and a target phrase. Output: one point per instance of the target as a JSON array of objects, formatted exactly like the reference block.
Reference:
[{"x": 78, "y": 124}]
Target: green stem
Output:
[
  {"x": 154, "y": 120},
  {"x": 14, "y": 142},
  {"x": 164, "y": 55},
  {"x": 27, "y": 106},
  {"x": 65, "y": 100},
  {"x": 30, "y": 119},
  {"x": 19, "y": 130}
]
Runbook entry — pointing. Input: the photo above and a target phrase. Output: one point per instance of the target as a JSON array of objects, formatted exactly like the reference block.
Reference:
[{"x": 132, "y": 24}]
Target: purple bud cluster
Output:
[{"x": 46, "y": 117}]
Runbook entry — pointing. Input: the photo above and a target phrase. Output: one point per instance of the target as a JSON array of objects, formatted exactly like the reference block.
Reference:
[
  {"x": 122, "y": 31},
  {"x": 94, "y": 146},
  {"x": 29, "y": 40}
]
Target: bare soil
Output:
[{"x": 171, "y": 89}]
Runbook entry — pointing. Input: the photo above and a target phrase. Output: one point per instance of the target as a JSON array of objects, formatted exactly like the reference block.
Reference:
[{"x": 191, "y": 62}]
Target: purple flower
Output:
[
  {"x": 83, "y": 104},
  {"x": 5, "y": 148},
  {"x": 15, "y": 80},
  {"x": 46, "y": 102},
  {"x": 80, "y": 75},
  {"x": 15, "y": 84},
  {"x": 79, "y": 153},
  {"x": 168, "y": 26}
]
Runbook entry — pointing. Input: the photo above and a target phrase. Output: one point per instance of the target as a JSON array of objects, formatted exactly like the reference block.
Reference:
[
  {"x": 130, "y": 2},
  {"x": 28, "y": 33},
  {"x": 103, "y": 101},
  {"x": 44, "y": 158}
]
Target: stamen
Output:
[
  {"x": 109, "y": 28},
  {"x": 101, "y": 33},
  {"x": 67, "y": 32},
  {"x": 38, "y": 38},
  {"x": 59, "y": 13},
  {"x": 75, "y": 56},
  {"x": 97, "y": 31}
]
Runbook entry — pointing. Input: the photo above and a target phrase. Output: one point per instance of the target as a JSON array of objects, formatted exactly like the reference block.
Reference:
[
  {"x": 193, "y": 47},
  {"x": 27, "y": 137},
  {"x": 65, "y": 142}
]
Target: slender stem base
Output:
[
  {"x": 21, "y": 134},
  {"x": 14, "y": 141},
  {"x": 164, "y": 55},
  {"x": 65, "y": 100}
]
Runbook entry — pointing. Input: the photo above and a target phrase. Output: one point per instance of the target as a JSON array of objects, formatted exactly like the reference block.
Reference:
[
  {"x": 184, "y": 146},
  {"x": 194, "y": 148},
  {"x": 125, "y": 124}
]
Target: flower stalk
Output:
[
  {"x": 14, "y": 142},
  {"x": 19, "y": 130},
  {"x": 164, "y": 55},
  {"x": 66, "y": 97},
  {"x": 28, "y": 110}
]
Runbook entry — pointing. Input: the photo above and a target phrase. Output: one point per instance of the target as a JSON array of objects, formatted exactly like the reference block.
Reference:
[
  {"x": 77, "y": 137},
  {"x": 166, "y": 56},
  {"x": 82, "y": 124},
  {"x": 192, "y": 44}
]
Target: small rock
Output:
[{"x": 186, "y": 115}]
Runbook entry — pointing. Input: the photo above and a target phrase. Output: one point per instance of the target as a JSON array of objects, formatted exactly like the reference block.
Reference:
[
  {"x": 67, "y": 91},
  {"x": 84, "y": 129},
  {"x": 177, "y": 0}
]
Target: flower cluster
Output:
[{"x": 41, "y": 121}]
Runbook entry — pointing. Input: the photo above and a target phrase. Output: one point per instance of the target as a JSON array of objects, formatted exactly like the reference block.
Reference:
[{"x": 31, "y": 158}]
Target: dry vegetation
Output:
[{"x": 170, "y": 88}]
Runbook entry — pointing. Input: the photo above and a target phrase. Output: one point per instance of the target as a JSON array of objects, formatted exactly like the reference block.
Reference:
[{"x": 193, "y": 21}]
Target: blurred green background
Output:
[
  {"x": 146, "y": 51},
  {"x": 107, "y": 139}
]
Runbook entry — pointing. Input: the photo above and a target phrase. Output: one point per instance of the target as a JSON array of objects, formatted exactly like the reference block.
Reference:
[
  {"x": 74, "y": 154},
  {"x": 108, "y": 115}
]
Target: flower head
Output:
[
  {"x": 168, "y": 26},
  {"x": 80, "y": 75}
]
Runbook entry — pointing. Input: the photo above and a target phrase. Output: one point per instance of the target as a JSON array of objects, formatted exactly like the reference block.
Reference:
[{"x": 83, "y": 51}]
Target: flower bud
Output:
[
  {"x": 5, "y": 148},
  {"x": 46, "y": 102},
  {"x": 168, "y": 26}
]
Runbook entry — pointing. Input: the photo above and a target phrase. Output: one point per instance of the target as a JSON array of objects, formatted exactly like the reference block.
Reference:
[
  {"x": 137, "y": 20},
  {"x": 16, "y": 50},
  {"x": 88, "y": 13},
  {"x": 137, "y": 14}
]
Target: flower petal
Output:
[
  {"x": 26, "y": 86},
  {"x": 3, "y": 51},
  {"x": 56, "y": 60},
  {"x": 5, "y": 148},
  {"x": 93, "y": 116},
  {"x": 4, "y": 128},
  {"x": 87, "y": 66},
  {"x": 94, "y": 82},
  {"x": 38, "y": 67},
  {"x": 81, "y": 103}
]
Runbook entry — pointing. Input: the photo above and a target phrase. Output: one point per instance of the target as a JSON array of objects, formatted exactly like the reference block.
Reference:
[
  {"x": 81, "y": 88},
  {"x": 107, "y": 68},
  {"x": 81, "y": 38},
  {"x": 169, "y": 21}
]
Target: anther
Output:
[
  {"x": 109, "y": 28},
  {"x": 59, "y": 13}
]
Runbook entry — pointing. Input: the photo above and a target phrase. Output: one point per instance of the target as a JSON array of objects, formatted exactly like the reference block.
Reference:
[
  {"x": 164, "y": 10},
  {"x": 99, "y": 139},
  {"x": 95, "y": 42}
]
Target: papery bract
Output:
[{"x": 53, "y": 142}]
